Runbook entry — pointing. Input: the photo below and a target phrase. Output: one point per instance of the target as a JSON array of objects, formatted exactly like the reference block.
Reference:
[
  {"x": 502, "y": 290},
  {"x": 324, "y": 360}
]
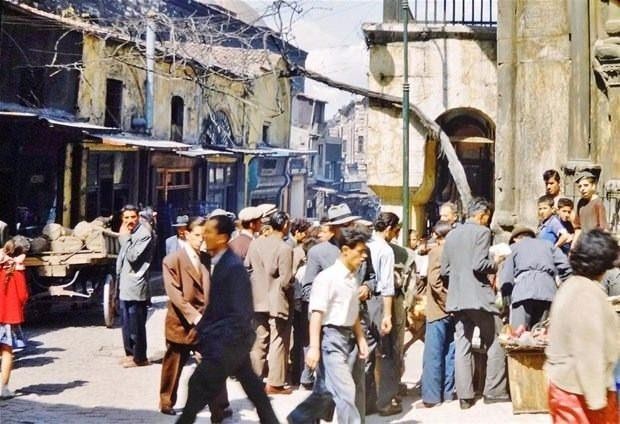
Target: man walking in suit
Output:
[
  {"x": 466, "y": 264},
  {"x": 270, "y": 262},
  {"x": 186, "y": 281},
  {"x": 132, "y": 266},
  {"x": 225, "y": 331}
]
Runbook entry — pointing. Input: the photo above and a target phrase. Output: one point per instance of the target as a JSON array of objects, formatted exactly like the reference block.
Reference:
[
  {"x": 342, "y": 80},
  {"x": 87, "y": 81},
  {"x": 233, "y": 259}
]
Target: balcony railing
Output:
[{"x": 452, "y": 12}]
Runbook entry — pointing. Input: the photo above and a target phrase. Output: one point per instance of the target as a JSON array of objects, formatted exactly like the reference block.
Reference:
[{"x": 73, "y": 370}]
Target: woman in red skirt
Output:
[
  {"x": 13, "y": 297},
  {"x": 583, "y": 338}
]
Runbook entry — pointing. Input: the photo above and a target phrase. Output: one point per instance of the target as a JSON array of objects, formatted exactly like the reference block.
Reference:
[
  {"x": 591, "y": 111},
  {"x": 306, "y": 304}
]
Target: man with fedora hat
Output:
[
  {"x": 528, "y": 277},
  {"x": 175, "y": 242}
]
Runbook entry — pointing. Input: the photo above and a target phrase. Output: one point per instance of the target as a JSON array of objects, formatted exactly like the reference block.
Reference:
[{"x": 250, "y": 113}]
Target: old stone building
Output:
[
  {"x": 453, "y": 79},
  {"x": 559, "y": 101},
  {"x": 77, "y": 140}
]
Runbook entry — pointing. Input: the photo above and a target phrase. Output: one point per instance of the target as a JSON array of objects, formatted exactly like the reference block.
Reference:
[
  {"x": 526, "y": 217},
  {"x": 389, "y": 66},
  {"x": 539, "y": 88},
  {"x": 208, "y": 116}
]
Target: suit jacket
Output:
[
  {"x": 434, "y": 288},
  {"x": 227, "y": 320},
  {"x": 240, "y": 245},
  {"x": 270, "y": 263},
  {"x": 465, "y": 263},
  {"x": 320, "y": 257},
  {"x": 133, "y": 263},
  {"x": 188, "y": 290}
]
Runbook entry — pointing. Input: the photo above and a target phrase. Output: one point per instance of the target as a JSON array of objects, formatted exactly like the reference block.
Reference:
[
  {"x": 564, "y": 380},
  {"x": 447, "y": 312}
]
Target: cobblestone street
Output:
[{"x": 71, "y": 373}]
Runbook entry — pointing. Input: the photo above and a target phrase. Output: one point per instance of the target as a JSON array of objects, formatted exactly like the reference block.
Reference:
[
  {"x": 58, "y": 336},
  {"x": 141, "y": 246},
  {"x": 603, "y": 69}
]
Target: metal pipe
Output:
[
  {"x": 150, "y": 65},
  {"x": 406, "y": 205}
]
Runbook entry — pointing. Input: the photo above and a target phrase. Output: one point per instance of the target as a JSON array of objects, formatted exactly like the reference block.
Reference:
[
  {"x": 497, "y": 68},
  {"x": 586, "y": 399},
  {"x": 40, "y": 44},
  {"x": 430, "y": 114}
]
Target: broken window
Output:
[
  {"x": 113, "y": 103},
  {"x": 177, "y": 109}
]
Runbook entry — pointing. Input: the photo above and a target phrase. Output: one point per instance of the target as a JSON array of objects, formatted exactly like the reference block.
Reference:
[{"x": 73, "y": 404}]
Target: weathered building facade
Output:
[
  {"x": 74, "y": 109},
  {"x": 453, "y": 79},
  {"x": 559, "y": 102}
]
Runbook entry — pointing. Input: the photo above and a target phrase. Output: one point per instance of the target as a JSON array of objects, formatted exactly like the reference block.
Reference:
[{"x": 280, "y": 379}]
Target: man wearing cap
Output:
[
  {"x": 266, "y": 210},
  {"x": 466, "y": 265},
  {"x": 270, "y": 263},
  {"x": 528, "y": 277},
  {"x": 175, "y": 242},
  {"x": 250, "y": 218}
]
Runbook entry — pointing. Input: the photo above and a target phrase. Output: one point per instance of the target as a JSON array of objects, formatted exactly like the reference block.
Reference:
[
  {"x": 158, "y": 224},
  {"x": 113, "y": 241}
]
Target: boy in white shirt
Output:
[{"x": 335, "y": 315}]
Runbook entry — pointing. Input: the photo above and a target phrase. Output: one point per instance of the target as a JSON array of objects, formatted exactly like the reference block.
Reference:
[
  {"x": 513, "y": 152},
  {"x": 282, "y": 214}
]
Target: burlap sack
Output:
[
  {"x": 55, "y": 231},
  {"x": 67, "y": 244},
  {"x": 82, "y": 230},
  {"x": 39, "y": 245},
  {"x": 96, "y": 242}
]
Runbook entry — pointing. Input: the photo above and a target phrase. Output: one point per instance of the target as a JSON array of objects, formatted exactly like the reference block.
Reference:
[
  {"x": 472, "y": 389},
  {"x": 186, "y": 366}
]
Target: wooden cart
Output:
[
  {"x": 82, "y": 276},
  {"x": 528, "y": 380}
]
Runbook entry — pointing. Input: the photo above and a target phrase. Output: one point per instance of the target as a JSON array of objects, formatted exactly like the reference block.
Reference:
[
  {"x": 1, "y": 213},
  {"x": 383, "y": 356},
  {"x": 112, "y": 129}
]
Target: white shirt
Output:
[
  {"x": 193, "y": 256},
  {"x": 334, "y": 292},
  {"x": 382, "y": 256}
]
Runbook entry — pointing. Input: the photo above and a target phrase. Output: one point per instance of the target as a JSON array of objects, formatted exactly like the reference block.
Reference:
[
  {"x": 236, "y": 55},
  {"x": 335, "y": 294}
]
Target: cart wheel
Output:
[{"x": 109, "y": 300}]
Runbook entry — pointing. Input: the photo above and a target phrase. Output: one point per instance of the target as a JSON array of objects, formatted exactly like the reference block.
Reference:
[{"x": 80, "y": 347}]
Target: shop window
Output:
[
  {"x": 174, "y": 185},
  {"x": 113, "y": 103},
  {"x": 177, "y": 109},
  {"x": 222, "y": 186},
  {"x": 109, "y": 179}
]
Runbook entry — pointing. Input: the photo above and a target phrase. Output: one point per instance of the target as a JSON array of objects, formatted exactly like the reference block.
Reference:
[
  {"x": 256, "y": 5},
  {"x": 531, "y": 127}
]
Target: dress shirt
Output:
[
  {"x": 334, "y": 292},
  {"x": 215, "y": 259},
  {"x": 193, "y": 255},
  {"x": 382, "y": 257}
]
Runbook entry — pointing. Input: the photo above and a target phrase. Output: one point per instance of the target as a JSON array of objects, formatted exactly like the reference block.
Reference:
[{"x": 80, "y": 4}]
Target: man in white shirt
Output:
[
  {"x": 381, "y": 309},
  {"x": 335, "y": 316}
]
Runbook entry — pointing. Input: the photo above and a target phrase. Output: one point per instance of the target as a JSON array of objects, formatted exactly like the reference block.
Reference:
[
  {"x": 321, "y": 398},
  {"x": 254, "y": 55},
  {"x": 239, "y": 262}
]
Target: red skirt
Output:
[{"x": 570, "y": 408}]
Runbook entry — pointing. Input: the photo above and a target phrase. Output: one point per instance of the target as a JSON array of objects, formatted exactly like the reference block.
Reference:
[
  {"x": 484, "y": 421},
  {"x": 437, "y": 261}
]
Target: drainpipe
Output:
[
  {"x": 150, "y": 64},
  {"x": 405, "y": 194}
]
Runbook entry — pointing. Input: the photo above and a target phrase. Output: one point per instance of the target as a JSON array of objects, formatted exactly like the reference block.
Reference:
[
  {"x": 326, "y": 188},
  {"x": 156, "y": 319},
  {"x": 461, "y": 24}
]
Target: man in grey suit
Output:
[
  {"x": 471, "y": 298},
  {"x": 270, "y": 263}
]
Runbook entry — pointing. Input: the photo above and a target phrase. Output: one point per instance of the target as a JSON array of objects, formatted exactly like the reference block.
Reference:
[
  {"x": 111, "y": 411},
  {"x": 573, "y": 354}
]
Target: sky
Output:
[{"x": 331, "y": 33}]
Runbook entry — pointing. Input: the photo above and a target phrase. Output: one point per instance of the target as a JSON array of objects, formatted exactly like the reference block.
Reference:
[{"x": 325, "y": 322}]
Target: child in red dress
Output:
[{"x": 13, "y": 297}]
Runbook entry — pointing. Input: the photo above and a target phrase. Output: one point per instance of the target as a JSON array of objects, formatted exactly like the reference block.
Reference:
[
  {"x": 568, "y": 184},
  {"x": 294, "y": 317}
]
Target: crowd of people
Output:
[{"x": 280, "y": 303}]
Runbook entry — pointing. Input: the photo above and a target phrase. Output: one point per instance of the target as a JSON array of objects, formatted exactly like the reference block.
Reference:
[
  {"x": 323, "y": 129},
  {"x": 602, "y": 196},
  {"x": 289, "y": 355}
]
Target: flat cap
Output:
[
  {"x": 585, "y": 174},
  {"x": 267, "y": 209},
  {"x": 520, "y": 230},
  {"x": 221, "y": 212},
  {"x": 250, "y": 213}
]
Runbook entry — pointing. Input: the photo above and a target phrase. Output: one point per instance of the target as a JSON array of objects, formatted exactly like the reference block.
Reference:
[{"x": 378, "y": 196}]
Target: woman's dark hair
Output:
[
  {"x": 595, "y": 252},
  {"x": 223, "y": 224},
  {"x": 299, "y": 225},
  {"x": 196, "y": 221},
  {"x": 385, "y": 220},
  {"x": 278, "y": 220},
  {"x": 351, "y": 237}
]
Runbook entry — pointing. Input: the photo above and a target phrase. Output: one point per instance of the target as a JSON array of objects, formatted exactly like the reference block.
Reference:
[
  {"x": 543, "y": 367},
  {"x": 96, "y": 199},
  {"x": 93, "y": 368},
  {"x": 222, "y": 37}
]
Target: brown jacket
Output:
[
  {"x": 240, "y": 244},
  {"x": 188, "y": 291},
  {"x": 435, "y": 290},
  {"x": 270, "y": 264}
]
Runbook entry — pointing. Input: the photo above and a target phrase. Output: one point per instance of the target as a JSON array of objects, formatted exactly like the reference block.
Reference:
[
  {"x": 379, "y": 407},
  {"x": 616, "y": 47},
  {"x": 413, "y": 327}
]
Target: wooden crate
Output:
[{"x": 528, "y": 381}]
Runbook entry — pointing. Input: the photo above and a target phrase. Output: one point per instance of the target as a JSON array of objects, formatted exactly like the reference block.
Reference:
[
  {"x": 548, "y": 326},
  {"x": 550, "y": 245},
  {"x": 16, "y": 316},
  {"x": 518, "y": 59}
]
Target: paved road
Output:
[{"x": 70, "y": 373}]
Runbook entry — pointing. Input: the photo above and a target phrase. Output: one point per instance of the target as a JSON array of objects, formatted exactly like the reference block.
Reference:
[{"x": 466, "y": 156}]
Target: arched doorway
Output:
[{"x": 473, "y": 135}]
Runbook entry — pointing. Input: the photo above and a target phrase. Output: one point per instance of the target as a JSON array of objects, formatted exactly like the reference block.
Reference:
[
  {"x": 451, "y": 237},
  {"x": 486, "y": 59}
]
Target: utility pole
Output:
[
  {"x": 406, "y": 205},
  {"x": 149, "y": 99}
]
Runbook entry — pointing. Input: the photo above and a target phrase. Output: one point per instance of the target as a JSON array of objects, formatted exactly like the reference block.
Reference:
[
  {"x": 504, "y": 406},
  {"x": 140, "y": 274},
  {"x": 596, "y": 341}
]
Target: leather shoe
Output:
[
  {"x": 392, "y": 409},
  {"x": 219, "y": 416},
  {"x": 275, "y": 390},
  {"x": 168, "y": 411},
  {"x": 466, "y": 403},
  {"x": 496, "y": 399}
]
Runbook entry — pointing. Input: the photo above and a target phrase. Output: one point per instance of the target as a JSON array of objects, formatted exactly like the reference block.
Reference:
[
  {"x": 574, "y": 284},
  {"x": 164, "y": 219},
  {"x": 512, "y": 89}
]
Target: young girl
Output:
[{"x": 13, "y": 296}]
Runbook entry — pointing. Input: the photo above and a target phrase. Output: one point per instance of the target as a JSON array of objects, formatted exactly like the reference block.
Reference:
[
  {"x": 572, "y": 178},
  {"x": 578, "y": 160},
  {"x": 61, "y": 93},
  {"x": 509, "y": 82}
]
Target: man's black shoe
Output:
[
  {"x": 219, "y": 416},
  {"x": 168, "y": 411},
  {"x": 466, "y": 403},
  {"x": 495, "y": 399}
]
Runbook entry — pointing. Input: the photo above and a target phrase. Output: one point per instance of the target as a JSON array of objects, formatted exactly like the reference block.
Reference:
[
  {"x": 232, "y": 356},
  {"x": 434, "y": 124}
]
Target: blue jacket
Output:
[{"x": 531, "y": 269}]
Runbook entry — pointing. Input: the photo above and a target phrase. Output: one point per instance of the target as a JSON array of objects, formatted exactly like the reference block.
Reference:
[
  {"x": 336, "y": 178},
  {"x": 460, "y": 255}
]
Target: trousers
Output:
[
  {"x": 209, "y": 379},
  {"x": 529, "y": 313},
  {"x": 490, "y": 326},
  {"x": 133, "y": 319},
  {"x": 438, "y": 361}
]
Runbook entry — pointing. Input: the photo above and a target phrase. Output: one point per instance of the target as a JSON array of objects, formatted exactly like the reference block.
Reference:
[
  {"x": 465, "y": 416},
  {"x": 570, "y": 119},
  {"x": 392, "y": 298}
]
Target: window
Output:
[
  {"x": 174, "y": 185},
  {"x": 360, "y": 144},
  {"x": 113, "y": 103},
  {"x": 222, "y": 186},
  {"x": 266, "y": 132},
  {"x": 177, "y": 109}
]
